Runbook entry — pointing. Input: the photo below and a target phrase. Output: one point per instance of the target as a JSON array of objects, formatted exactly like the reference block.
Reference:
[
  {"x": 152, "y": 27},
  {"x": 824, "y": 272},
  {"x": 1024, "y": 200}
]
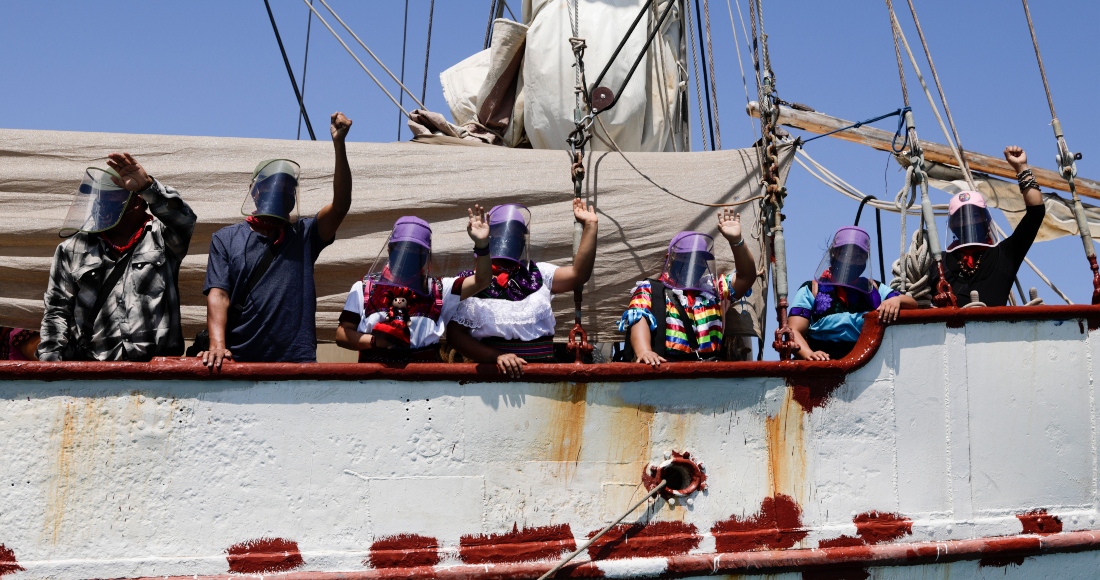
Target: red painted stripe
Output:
[
  {"x": 519, "y": 545},
  {"x": 770, "y": 561},
  {"x": 650, "y": 540},
  {"x": 264, "y": 555},
  {"x": 8, "y": 563},
  {"x": 403, "y": 551}
]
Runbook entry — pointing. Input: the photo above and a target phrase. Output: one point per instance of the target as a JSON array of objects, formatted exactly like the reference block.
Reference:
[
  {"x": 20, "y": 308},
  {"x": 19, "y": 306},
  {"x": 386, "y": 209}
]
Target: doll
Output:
[{"x": 395, "y": 328}]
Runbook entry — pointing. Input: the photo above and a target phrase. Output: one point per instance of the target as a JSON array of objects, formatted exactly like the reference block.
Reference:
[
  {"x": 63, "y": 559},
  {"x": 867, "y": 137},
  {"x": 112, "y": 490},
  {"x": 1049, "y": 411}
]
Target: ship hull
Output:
[{"x": 959, "y": 444}]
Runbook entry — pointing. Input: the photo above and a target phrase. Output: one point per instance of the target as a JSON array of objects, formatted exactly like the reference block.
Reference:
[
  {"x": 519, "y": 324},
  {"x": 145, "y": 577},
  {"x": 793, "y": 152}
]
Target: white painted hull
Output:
[{"x": 958, "y": 434}]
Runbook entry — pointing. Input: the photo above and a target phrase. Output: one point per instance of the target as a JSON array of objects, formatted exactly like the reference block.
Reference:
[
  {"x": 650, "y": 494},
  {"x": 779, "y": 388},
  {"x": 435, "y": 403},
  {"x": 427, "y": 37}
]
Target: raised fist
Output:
[
  {"x": 1016, "y": 158},
  {"x": 339, "y": 127}
]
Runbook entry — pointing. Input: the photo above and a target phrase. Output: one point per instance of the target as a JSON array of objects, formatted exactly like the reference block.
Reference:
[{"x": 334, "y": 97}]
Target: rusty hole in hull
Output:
[{"x": 683, "y": 476}]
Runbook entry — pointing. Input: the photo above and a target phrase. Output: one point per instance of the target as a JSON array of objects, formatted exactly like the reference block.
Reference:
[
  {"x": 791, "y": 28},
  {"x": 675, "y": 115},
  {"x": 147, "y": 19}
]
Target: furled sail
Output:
[
  {"x": 40, "y": 170},
  {"x": 504, "y": 97}
]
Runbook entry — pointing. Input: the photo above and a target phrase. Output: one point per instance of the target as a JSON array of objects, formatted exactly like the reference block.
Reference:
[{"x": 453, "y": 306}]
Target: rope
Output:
[
  {"x": 352, "y": 53},
  {"x": 1039, "y": 57},
  {"x": 927, "y": 93},
  {"x": 698, "y": 88},
  {"x": 901, "y": 66},
  {"x": 289, "y": 71},
  {"x": 660, "y": 66},
  {"x": 740, "y": 63},
  {"x": 427, "y": 54},
  {"x": 706, "y": 82},
  {"x": 610, "y": 142},
  {"x": 372, "y": 55},
  {"x": 943, "y": 97},
  {"x": 404, "y": 38},
  {"x": 305, "y": 63},
  {"x": 713, "y": 77},
  {"x": 1067, "y": 166},
  {"x": 592, "y": 540}
]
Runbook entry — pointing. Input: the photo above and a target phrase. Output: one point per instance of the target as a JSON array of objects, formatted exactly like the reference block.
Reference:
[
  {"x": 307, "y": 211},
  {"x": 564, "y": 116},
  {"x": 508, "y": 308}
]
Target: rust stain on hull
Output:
[
  {"x": 787, "y": 449},
  {"x": 76, "y": 429},
  {"x": 565, "y": 426}
]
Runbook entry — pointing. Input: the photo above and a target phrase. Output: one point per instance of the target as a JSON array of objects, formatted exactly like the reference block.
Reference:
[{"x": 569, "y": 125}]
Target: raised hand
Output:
[
  {"x": 584, "y": 213},
  {"x": 1016, "y": 158},
  {"x": 729, "y": 223},
  {"x": 478, "y": 227},
  {"x": 131, "y": 175},
  {"x": 339, "y": 126}
]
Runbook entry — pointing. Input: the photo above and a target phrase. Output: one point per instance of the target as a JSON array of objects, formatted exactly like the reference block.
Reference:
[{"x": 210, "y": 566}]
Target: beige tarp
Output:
[{"x": 39, "y": 171}]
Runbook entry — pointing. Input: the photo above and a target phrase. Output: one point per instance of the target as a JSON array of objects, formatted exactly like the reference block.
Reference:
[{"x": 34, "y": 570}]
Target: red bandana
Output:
[
  {"x": 268, "y": 224},
  {"x": 132, "y": 241}
]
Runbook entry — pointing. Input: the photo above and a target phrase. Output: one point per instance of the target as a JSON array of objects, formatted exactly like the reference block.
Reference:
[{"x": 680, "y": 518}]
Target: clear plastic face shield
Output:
[
  {"x": 509, "y": 233},
  {"x": 98, "y": 205},
  {"x": 970, "y": 226},
  {"x": 406, "y": 259},
  {"x": 690, "y": 262},
  {"x": 274, "y": 191},
  {"x": 846, "y": 260}
]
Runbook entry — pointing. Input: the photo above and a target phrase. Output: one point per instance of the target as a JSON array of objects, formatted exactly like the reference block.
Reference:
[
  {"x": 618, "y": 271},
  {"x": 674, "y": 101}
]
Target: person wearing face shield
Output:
[
  {"x": 511, "y": 322},
  {"x": 972, "y": 260},
  {"x": 682, "y": 309},
  {"x": 113, "y": 292},
  {"x": 826, "y": 314},
  {"x": 261, "y": 299},
  {"x": 406, "y": 272}
]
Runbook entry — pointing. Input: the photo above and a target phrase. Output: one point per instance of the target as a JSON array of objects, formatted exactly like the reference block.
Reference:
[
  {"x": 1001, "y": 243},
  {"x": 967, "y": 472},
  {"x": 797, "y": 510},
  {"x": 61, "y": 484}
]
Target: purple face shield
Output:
[
  {"x": 690, "y": 262},
  {"x": 410, "y": 253},
  {"x": 846, "y": 259},
  {"x": 508, "y": 232}
]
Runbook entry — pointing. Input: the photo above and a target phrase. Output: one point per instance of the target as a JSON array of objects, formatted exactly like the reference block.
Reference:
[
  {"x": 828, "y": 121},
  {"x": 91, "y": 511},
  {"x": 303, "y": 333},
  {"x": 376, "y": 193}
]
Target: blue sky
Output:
[{"x": 206, "y": 67}]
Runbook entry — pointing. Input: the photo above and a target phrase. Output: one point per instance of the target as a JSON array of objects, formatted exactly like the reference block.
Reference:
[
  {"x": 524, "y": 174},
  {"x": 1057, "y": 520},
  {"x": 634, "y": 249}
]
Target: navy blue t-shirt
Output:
[{"x": 278, "y": 323}]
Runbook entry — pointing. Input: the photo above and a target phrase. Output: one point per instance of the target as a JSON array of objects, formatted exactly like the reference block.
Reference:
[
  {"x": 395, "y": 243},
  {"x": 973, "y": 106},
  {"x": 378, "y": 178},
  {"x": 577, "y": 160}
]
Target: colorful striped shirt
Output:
[{"x": 703, "y": 309}]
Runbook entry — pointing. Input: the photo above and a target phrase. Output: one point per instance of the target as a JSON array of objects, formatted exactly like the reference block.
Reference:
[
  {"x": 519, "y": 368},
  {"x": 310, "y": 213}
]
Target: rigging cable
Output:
[
  {"x": 741, "y": 64},
  {"x": 610, "y": 142},
  {"x": 371, "y": 53},
  {"x": 427, "y": 54},
  {"x": 943, "y": 98},
  {"x": 713, "y": 77},
  {"x": 289, "y": 71},
  {"x": 706, "y": 82},
  {"x": 489, "y": 25},
  {"x": 404, "y": 39},
  {"x": 698, "y": 87},
  {"x": 935, "y": 109},
  {"x": 1067, "y": 166},
  {"x": 352, "y": 53},
  {"x": 305, "y": 63}
]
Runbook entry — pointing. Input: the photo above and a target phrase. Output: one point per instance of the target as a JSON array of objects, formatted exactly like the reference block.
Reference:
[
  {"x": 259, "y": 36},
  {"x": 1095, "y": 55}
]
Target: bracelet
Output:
[
  {"x": 1023, "y": 174},
  {"x": 481, "y": 251},
  {"x": 738, "y": 244}
]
